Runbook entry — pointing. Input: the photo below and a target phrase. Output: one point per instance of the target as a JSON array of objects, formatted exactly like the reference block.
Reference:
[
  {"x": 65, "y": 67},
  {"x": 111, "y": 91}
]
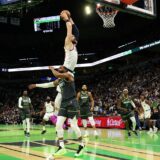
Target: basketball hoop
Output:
[{"x": 107, "y": 14}]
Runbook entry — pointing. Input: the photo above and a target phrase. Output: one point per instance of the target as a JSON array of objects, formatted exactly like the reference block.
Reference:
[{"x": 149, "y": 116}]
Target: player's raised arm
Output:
[{"x": 63, "y": 73}]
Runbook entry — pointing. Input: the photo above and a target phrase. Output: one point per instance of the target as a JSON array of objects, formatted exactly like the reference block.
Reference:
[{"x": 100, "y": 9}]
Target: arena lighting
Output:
[
  {"x": 86, "y": 54},
  {"x": 126, "y": 44},
  {"x": 26, "y": 59},
  {"x": 88, "y": 10},
  {"x": 116, "y": 56}
]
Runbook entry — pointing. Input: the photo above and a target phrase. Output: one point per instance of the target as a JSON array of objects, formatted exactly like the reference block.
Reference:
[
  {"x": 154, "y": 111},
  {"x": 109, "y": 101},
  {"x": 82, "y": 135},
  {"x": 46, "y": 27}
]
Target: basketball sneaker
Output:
[
  {"x": 43, "y": 132},
  {"x": 27, "y": 134},
  {"x": 95, "y": 134},
  {"x": 150, "y": 131},
  {"x": 129, "y": 134},
  {"x": 136, "y": 133},
  {"x": 60, "y": 152},
  {"x": 80, "y": 151},
  {"x": 155, "y": 130}
]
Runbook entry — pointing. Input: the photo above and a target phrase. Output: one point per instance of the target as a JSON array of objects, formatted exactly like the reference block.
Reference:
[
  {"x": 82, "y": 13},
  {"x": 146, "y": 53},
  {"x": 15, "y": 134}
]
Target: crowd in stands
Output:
[{"x": 141, "y": 79}]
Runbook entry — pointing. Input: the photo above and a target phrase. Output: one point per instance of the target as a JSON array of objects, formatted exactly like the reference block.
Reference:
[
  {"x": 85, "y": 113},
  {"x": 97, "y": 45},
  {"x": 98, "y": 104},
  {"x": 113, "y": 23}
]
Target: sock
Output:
[
  {"x": 24, "y": 125},
  {"x": 61, "y": 143},
  {"x": 44, "y": 128},
  {"x": 133, "y": 120},
  {"x": 95, "y": 132},
  {"x": 28, "y": 125},
  {"x": 81, "y": 143}
]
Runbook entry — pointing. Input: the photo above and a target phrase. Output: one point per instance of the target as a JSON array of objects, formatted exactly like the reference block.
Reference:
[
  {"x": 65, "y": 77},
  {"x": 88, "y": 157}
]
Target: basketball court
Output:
[{"x": 112, "y": 144}]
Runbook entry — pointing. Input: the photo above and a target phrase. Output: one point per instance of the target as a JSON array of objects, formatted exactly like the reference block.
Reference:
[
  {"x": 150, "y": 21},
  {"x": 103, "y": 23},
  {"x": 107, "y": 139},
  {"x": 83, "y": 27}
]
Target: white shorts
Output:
[
  {"x": 147, "y": 115},
  {"x": 57, "y": 102},
  {"x": 47, "y": 116}
]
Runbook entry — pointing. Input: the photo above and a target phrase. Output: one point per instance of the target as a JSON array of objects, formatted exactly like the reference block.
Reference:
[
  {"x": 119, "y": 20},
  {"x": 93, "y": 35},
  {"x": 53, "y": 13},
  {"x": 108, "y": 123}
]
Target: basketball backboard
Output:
[{"x": 144, "y": 8}]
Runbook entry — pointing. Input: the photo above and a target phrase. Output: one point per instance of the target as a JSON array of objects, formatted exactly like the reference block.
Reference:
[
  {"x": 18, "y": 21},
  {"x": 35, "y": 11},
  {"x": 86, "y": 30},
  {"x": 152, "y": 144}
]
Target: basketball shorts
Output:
[
  {"x": 25, "y": 113},
  {"x": 85, "y": 112},
  {"x": 47, "y": 116},
  {"x": 128, "y": 115},
  {"x": 147, "y": 115},
  {"x": 69, "y": 109}
]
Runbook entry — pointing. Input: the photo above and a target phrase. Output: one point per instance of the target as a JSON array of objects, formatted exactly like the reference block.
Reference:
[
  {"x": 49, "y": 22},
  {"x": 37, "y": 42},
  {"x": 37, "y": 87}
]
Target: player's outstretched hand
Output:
[
  {"x": 51, "y": 68},
  {"x": 32, "y": 86}
]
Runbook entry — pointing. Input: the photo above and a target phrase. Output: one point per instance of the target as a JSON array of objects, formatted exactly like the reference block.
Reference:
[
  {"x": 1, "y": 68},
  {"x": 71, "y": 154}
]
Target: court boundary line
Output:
[
  {"x": 141, "y": 152},
  {"x": 104, "y": 156},
  {"x": 21, "y": 151},
  {"x": 139, "y": 144}
]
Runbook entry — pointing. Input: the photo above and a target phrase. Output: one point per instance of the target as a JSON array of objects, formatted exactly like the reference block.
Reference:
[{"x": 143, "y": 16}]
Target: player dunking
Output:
[
  {"x": 25, "y": 106},
  {"x": 127, "y": 107},
  {"x": 84, "y": 98},
  {"x": 71, "y": 40}
]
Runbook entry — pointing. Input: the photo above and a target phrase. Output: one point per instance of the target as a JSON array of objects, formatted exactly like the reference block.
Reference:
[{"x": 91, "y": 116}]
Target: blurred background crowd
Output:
[{"x": 106, "y": 90}]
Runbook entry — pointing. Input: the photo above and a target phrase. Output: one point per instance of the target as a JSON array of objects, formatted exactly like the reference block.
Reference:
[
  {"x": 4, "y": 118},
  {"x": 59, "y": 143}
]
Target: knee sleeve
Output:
[
  {"x": 24, "y": 124},
  {"x": 75, "y": 127},
  {"x": 28, "y": 124},
  {"x": 133, "y": 120},
  {"x": 91, "y": 120}
]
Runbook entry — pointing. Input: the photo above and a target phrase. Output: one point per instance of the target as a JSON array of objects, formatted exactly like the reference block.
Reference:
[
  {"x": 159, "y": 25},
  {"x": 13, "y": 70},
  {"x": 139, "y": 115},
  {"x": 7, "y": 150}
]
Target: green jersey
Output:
[
  {"x": 67, "y": 89},
  {"x": 25, "y": 102},
  {"x": 84, "y": 98},
  {"x": 126, "y": 102}
]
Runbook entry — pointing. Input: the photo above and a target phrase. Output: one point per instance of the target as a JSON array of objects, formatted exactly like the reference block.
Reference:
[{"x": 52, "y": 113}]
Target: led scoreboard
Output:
[{"x": 46, "y": 24}]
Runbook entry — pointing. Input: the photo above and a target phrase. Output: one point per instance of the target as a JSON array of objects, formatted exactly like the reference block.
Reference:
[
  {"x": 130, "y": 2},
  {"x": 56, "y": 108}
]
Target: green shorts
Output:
[
  {"x": 69, "y": 109},
  {"x": 25, "y": 113},
  {"x": 85, "y": 112},
  {"x": 128, "y": 115}
]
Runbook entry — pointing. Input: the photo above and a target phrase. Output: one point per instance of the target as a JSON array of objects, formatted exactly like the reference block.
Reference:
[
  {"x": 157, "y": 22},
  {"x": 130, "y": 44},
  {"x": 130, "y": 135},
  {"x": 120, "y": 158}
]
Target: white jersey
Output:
[
  {"x": 49, "y": 107},
  {"x": 71, "y": 58},
  {"x": 147, "y": 109}
]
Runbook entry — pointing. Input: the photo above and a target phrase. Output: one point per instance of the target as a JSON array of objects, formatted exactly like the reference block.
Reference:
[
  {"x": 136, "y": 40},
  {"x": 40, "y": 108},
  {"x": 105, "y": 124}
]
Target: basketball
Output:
[{"x": 129, "y": 2}]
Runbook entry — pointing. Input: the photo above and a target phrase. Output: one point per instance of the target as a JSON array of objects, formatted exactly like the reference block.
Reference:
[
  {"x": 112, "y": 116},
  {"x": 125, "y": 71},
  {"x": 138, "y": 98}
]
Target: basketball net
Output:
[{"x": 108, "y": 15}]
